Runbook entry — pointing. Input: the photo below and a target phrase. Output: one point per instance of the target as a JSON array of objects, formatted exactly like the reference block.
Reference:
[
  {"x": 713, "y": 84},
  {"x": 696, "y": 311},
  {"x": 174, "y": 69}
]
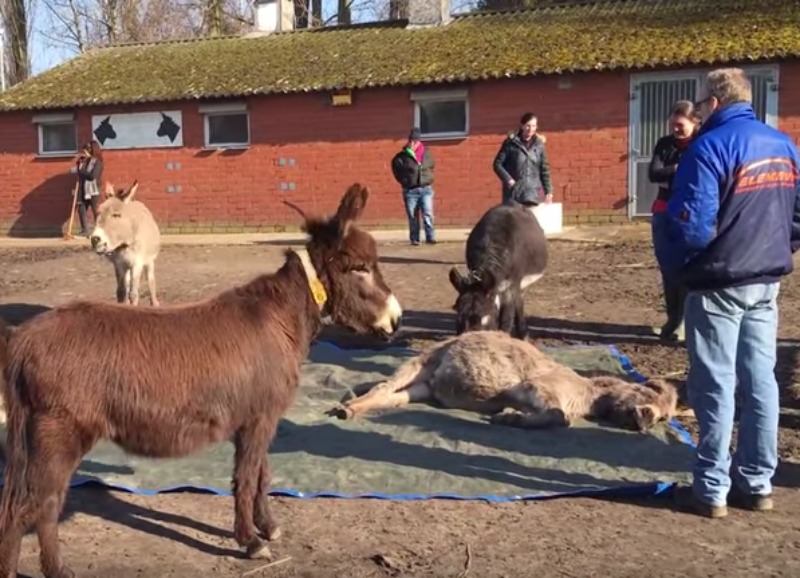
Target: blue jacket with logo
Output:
[{"x": 734, "y": 214}]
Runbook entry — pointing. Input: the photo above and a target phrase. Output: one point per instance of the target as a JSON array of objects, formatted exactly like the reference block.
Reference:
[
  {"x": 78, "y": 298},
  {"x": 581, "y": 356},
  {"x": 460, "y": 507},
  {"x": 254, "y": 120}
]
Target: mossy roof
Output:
[{"x": 554, "y": 38}]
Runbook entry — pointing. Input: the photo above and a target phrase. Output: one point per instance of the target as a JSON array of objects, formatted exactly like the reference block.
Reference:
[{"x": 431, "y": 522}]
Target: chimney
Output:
[
  {"x": 274, "y": 15},
  {"x": 428, "y": 12}
]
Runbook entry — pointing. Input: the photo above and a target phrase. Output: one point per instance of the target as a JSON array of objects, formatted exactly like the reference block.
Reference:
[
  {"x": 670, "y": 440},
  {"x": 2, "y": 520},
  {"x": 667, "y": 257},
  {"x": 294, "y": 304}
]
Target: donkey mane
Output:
[{"x": 267, "y": 286}]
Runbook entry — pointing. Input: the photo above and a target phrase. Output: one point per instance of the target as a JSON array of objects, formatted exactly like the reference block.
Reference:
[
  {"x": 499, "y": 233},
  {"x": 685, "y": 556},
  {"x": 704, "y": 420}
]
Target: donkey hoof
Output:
[
  {"x": 508, "y": 416},
  {"x": 275, "y": 534},
  {"x": 341, "y": 412},
  {"x": 257, "y": 549}
]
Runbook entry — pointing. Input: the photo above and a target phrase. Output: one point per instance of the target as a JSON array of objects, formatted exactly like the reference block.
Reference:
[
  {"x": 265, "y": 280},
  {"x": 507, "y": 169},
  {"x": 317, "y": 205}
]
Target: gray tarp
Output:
[{"x": 418, "y": 449}]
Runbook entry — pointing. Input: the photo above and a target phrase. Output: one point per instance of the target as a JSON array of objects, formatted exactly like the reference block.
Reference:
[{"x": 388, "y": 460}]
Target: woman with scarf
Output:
[
  {"x": 684, "y": 122},
  {"x": 412, "y": 168},
  {"x": 89, "y": 167}
]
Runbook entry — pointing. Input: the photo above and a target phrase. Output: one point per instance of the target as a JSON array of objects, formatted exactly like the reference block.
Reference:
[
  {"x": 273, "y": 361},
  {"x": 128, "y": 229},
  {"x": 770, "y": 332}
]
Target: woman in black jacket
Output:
[
  {"x": 521, "y": 165},
  {"x": 685, "y": 122}
]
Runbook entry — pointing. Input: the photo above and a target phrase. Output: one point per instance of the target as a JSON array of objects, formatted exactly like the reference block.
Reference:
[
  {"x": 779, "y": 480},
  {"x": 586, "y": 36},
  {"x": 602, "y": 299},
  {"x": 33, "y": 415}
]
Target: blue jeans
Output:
[
  {"x": 732, "y": 333},
  {"x": 419, "y": 198}
]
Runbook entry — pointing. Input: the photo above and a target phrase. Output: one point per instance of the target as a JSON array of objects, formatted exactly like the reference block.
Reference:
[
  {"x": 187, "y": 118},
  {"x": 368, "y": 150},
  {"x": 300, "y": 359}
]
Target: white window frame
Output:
[
  {"x": 437, "y": 96},
  {"x": 43, "y": 120},
  {"x": 224, "y": 109}
]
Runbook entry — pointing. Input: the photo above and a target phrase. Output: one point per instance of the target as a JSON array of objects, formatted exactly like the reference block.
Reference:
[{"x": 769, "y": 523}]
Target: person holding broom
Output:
[{"x": 89, "y": 168}]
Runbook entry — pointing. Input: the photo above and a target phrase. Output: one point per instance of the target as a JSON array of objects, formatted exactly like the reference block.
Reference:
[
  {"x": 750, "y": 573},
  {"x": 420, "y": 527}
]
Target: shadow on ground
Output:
[{"x": 17, "y": 313}]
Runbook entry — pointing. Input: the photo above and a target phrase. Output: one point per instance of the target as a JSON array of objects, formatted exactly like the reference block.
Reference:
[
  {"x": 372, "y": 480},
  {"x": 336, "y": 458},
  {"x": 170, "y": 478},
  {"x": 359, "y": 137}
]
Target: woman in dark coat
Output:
[
  {"x": 685, "y": 122},
  {"x": 89, "y": 167},
  {"x": 521, "y": 165}
]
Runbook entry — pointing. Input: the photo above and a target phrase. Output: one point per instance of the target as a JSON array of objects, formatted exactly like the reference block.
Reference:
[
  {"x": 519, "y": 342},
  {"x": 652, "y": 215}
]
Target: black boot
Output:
[
  {"x": 84, "y": 232},
  {"x": 674, "y": 298}
]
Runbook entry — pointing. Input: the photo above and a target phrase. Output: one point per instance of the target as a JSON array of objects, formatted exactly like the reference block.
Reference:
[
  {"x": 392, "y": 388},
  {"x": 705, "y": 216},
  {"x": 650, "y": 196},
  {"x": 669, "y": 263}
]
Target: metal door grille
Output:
[{"x": 655, "y": 101}]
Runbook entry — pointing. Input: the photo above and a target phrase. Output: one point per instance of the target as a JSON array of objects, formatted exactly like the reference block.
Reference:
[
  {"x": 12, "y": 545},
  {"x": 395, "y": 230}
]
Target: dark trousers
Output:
[
  {"x": 674, "y": 292},
  {"x": 674, "y": 300},
  {"x": 82, "y": 205}
]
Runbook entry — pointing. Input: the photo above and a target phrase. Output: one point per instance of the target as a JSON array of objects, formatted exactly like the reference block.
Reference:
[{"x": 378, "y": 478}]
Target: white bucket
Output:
[{"x": 550, "y": 217}]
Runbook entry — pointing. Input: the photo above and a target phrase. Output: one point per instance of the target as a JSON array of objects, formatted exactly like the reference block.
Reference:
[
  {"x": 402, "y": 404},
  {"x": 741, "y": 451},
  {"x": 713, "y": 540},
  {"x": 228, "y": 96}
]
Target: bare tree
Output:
[
  {"x": 344, "y": 15},
  {"x": 398, "y": 9},
  {"x": 83, "y": 24},
  {"x": 367, "y": 11},
  {"x": 213, "y": 17},
  {"x": 316, "y": 13},
  {"x": 221, "y": 17},
  {"x": 15, "y": 20}
]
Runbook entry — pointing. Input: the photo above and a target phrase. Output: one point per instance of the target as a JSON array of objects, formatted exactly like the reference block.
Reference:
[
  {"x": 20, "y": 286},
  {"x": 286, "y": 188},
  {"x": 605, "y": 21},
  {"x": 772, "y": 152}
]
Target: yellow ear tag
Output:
[{"x": 318, "y": 291}]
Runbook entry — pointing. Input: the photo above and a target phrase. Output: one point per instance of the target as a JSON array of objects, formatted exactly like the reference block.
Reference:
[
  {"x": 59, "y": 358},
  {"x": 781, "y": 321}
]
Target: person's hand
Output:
[
  {"x": 548, "y": 198},
  {"x": 511, "y": 183}
]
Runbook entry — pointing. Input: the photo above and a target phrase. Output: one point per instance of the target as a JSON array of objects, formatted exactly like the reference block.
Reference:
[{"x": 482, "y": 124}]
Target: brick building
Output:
[{"x": 220, "y": 131}]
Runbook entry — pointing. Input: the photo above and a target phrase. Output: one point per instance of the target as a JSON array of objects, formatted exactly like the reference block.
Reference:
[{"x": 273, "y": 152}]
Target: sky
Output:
[{"x": 45, "y": 55}]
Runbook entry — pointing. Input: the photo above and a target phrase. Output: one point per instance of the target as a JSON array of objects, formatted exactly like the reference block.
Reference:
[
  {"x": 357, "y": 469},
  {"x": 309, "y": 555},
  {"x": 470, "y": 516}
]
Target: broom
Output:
[{"x": 68, "y": 235}]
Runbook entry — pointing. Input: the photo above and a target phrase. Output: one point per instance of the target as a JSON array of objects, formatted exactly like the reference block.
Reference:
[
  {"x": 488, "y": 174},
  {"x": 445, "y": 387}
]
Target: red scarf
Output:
[
  {"x": 683, "y": 143},
  {"x": 420, "y": 153}
]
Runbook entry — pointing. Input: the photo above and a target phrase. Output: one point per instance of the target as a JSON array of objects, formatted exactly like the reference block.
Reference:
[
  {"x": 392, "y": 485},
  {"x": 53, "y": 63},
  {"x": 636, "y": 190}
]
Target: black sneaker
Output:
[{"x": 430, "y": 242}]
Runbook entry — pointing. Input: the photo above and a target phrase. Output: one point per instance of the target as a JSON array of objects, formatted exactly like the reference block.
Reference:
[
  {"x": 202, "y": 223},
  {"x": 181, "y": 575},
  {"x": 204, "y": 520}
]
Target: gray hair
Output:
[{"x": 729, "y": 86}]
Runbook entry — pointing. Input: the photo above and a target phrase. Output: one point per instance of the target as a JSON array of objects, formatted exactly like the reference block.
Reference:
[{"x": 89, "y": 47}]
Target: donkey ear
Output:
[
  {"x": 351, "y": 207},
  {"x": 128, "y": 195},
  {"x": 487, "y": 281},
  {"x": 658, "y": 385},
  {"x": 109, "y": 189},
  {"x": 646, "y": 416},
  {"x": 456, "y": 279}
]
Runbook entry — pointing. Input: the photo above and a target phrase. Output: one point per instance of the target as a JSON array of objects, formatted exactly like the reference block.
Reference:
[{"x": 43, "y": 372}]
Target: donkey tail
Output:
[{"x": 15, "y": 486}]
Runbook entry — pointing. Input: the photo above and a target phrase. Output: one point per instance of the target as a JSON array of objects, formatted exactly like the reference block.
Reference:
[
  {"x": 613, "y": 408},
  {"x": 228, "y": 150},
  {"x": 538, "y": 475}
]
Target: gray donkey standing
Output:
[{"x": 127, "y": 233}]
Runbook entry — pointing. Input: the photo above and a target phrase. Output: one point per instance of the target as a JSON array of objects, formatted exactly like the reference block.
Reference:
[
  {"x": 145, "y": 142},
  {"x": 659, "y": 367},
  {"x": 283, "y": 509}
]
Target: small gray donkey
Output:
[{"x": 127, "y": 234}]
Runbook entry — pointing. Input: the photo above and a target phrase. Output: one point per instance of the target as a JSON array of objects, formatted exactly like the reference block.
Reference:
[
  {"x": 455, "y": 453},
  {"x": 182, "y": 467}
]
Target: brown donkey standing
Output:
[{"x": 165, "y": 382}]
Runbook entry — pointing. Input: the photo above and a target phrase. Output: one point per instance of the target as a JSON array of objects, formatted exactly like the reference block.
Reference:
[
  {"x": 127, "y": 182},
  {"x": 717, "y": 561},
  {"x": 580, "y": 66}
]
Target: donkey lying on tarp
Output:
[{"x": 515, "y": 383}]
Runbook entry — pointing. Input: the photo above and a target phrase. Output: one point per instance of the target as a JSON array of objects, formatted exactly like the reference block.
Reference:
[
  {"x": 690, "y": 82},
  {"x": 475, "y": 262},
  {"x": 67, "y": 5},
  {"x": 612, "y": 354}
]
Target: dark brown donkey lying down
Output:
[
  {"x": 165, "y": 382},
  {"x": 492, "y": 373}
]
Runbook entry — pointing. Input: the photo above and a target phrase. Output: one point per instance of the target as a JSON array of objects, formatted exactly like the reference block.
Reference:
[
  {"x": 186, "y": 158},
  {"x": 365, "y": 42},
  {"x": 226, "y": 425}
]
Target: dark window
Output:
[
  {"x": 442, "y": 116},
  {"x": 57, "y": 138},
  {"x": 227, "y": 129}
]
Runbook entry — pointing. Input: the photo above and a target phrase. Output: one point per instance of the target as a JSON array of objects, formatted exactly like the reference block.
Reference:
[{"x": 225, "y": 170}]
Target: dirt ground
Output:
[{"x": 592, "y": 293}]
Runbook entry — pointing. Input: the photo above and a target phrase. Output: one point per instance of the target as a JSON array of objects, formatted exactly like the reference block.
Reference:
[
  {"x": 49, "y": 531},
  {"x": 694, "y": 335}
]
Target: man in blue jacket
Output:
[{"x": 734, "y": 224}]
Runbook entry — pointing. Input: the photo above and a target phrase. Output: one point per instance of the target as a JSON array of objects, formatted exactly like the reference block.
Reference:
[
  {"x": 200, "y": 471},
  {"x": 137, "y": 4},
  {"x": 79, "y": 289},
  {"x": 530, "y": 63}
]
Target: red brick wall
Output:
[
  {"x": 789, "y": 100},
  {"x": 586, "y": 125}
]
